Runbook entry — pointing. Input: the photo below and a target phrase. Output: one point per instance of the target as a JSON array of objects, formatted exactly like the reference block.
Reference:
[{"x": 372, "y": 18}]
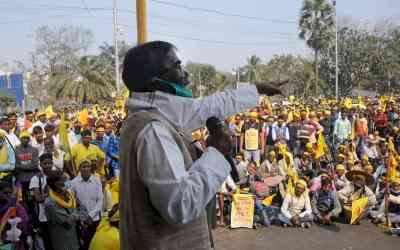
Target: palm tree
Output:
[
  {"x": 253, "y": 63},
  {"x": 88, "y": 80},
  {"x": 316, "y": 25}
]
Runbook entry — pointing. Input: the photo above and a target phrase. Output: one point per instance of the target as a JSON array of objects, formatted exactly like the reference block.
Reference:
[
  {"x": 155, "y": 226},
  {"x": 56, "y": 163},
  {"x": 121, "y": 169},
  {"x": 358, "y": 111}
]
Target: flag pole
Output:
[{"x": 141, "y": 18}]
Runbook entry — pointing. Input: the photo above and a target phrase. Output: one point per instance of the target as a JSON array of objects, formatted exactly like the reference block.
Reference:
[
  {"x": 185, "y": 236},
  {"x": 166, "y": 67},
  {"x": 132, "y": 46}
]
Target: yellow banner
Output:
[
  {"x": 251, "y": 139},
  {"x": 242, "y": 211}
]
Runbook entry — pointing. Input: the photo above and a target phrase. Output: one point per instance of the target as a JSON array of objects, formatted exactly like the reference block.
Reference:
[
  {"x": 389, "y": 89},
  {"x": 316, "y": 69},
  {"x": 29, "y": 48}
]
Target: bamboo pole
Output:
[{"x": 141, "y": 17}]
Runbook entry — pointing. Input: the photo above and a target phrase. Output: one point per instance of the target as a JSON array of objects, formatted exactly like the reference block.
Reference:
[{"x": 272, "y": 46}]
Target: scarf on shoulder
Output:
[
  {"x": 57, "y": 198},
  {"x": 4, "y": 154}
]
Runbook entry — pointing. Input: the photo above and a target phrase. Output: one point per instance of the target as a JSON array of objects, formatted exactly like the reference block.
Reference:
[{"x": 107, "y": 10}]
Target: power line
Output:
[
  {"x": 177, "y": 20},
  {"x": 221, "y": 13},
  {"x": 184, "y": 37},
  {"x": 86, "y": 7}
]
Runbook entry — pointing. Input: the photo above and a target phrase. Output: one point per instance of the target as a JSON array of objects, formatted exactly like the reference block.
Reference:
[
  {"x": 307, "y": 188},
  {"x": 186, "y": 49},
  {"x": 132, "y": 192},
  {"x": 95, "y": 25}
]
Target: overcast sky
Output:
[{"x": 220, "y": 32}]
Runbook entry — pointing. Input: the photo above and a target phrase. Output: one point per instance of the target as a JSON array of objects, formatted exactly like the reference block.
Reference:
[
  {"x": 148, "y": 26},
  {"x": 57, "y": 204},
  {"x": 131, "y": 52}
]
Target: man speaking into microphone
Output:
[{"x": 164, "y": 186}]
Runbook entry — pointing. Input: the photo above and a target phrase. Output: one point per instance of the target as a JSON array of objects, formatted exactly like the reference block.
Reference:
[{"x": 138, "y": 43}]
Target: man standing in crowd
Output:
[
  {"x": 252, "y": 139},
  {"x": 164, "y": 187},
  {"x": 40, "y": 191},
  {"x": 38, "y": 139},
  {"x": 7, "y": 154},
  {"x": 342, "y": 129},
  {"x": 84, "y": 150},
  {"x": 27, "y": 164},
  {"x": 89, "y": 194},
  {"x": 5, "y": 126}
]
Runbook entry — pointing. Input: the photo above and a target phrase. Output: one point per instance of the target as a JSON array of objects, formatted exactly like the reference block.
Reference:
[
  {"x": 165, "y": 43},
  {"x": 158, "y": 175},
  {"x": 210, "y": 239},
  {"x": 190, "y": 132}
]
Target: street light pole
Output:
[
  {"x": 336, "y": 54},
  {"x": 116, "y": 54},
  {"x": 141, "y": 17}
]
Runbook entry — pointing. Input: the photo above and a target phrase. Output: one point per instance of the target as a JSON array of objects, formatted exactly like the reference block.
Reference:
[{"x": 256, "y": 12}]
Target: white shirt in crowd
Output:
[
  {"x": 37, "y": 123},
  {"x": 293, "y": 205},
  {"x": 89, "y": 194},
  {"x": 38, "y": 146},
  {"x": 39, "y": 182},
  {"x": 12, "y": 138}
]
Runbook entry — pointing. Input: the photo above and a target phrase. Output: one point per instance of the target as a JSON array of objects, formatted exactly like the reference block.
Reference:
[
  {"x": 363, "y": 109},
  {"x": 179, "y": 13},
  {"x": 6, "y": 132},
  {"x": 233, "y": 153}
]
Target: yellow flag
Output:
[
  {"x": 64, "y": 134},
  {"x": 321, "y": 146},
  {"x": 357, "y": 209},
  {"x": 268, "y": 201},
  {"x": 49, "y": 111},
  {"x": 83, "y": 117}
]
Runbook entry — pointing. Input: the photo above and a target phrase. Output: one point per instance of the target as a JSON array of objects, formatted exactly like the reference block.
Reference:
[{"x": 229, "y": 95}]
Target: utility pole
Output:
[
  {"x": 141, "y": 18},
  {"x": 200, "y": 87},
  {"x": 116, "y": 54},
  {"x": 336, "y": 54}
]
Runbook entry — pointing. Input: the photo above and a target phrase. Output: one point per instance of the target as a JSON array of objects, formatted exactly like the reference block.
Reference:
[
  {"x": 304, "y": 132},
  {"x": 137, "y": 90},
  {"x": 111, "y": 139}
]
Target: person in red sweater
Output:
[{"x": 381, "y": 122}]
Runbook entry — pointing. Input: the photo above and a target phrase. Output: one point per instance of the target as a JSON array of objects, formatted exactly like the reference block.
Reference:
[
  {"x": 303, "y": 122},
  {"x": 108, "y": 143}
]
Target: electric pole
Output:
[
  {"x": 116, "y": 54},
  {"x": 141, "y": 18},
  {"x": 336, "y": 54}
]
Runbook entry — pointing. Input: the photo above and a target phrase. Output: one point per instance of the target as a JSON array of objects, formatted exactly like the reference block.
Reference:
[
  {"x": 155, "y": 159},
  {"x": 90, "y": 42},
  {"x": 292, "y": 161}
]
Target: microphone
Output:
[{"x": 216, "y": 128}]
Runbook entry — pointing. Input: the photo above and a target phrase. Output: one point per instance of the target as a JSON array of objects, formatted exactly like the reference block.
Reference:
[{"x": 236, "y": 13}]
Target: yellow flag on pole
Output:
[
  {"x": 64, "y": 134},
  {"x": 83, "y": 117},
  {"x": 357, "y": 209},
  {"x": 49, "y": 111},
  {"x": 321, "y": 146}
]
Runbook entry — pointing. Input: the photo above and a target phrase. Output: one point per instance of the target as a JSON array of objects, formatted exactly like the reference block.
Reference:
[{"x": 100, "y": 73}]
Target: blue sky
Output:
[{"x": 200, "y": 36}]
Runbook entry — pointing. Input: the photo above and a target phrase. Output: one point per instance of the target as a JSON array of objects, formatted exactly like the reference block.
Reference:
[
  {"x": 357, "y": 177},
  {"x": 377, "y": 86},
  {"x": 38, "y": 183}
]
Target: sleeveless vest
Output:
[{"x": 141, "y": 226}]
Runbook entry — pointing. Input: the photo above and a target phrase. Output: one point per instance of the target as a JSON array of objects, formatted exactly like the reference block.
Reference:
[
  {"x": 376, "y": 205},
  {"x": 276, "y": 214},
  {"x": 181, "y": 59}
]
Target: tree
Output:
[
  {"x": 56, "y": 48},
  {"x": 203, "y": 78},
  {"x": 87, "y": 81},
  {"x": 251, "y": 69},
  {"x": 316, "y": 23}
]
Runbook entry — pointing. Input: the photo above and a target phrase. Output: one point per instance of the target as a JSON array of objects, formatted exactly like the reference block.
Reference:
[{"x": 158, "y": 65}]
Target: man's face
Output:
[
  {"x": 77, "y": 128},
  {"x": 359, "y": 182},
  {"x": 49, "y": 144},
  {"x": 38, "y": 136},
  {"x": 99, "y": 134},
  {"x": 46, "y": 165},
  {"x": 174, "y": 71},
  {"x": 5, "y": 125},
  {"x": 42, "y": 119},
  {"x": 108, "y": 129},
  {"x": 396, "y": 187},
  {"x": 299, "y": 190},
  {"x": 5, "y": 194},
  {"x": 86, "y": 171},
  {"x": 86, "y": 140},
  {"x": 13, "y": 121},
  {"x": 25, "y": 141}
]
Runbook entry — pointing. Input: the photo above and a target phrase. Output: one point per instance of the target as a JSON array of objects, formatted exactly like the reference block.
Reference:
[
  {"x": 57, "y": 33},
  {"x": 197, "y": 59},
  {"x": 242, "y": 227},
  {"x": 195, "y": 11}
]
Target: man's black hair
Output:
[
  {"x": 37, "y": 130},
  {"x": 144, "y": 62},
  {"x": 46, "y": 156},
  {"x": 53, "y": 177},
  {"x": 86, "y": 133}
]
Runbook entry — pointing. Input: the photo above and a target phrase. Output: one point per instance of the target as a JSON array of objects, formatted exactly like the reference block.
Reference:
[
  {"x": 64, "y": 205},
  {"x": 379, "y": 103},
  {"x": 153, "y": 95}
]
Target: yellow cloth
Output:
[
  {"x": 357, "y": 209},
  {"x": 321, "y": 146},
  {"x": 268, "y": 201},
  {"x": 80, "y": 153},
  {"x": 251, "y": 139},
  {"x": 61, "y": 202},
  {"x": 4, "y": 154},
  {"x": 64, "y": 134},
  {"x": 83, "y": 117},
  {"x": 106, "y": 237},
  {"x": 114, "y": 189}
]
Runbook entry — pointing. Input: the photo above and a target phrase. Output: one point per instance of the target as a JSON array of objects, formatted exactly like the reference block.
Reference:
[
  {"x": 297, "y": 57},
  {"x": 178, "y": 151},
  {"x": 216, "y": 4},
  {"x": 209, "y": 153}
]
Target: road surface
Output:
[{"x": 339, "y": 237}]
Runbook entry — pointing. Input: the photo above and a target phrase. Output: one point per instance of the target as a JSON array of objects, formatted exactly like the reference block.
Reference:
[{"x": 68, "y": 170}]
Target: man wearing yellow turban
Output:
[{"x": 296, "y": 209}]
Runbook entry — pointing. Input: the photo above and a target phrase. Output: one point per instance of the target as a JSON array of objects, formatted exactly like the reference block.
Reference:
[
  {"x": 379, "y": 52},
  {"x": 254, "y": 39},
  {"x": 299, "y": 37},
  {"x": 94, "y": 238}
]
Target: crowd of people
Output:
[
  {"x": 303, "y": 163},
  {"x": 59, "y": 179},
  {"x": 319, "y": 162}
]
